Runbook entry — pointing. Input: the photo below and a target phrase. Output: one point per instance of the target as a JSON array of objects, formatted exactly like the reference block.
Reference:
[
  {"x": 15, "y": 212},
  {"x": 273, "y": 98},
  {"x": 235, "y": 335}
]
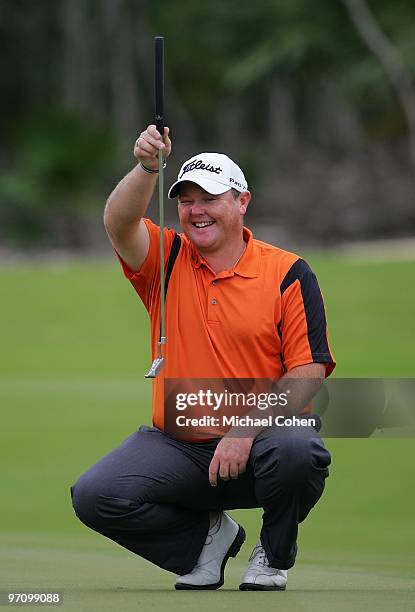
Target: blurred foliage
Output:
[
  {"x": 239, "y": 45},
  {"x": 56, "y": 159},
  {"x": 265, "y": 81}
]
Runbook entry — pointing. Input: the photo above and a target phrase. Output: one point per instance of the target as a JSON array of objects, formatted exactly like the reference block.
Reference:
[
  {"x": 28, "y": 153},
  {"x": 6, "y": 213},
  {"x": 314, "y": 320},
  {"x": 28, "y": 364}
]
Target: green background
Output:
[{"x": 74, "y": 351}]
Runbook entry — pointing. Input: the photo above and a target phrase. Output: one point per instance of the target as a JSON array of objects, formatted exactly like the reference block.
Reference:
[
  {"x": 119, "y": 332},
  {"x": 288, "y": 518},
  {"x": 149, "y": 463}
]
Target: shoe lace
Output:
[
  {"x": 259, "y": 556},
  {"x": 209, "y": 539}
]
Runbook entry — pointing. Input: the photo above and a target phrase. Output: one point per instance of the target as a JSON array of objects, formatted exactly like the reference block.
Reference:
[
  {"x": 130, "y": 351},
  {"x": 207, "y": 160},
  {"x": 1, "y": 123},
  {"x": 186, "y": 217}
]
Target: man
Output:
[{"x": 235, "y": 308}]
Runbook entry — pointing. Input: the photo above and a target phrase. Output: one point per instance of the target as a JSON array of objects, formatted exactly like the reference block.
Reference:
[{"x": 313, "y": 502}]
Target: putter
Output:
[{"x": 158, "y": 363}]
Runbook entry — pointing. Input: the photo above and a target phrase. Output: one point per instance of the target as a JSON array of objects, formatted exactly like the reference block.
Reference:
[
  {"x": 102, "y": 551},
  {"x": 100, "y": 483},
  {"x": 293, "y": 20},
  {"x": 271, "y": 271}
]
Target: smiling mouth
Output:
[{"x": 201, "y": 224}]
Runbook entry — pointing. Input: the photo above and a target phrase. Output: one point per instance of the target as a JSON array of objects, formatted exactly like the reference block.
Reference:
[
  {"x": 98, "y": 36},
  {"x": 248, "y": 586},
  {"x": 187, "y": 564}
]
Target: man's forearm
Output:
[
  {"x": 232, "y": 453},
  {"x": 129, "y": 201},
  {"x": 300, "y": 384},
  {"x": 303, "y": 383}
]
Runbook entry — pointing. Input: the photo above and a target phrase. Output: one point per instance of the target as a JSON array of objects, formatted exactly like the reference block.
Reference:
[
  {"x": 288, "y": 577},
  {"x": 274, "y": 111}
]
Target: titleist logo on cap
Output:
[
  {"x": 213, "y": 172},
  {"x": 198, "y": 164}
]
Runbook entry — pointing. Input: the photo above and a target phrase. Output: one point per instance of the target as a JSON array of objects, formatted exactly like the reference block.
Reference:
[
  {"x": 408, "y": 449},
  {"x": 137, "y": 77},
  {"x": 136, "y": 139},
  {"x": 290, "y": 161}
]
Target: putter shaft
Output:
[{"x": 159, "y": 108}]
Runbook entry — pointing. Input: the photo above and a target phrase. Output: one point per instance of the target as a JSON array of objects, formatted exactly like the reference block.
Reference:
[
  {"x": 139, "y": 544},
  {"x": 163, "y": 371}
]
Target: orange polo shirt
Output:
[{"x": 257, "y": 320}]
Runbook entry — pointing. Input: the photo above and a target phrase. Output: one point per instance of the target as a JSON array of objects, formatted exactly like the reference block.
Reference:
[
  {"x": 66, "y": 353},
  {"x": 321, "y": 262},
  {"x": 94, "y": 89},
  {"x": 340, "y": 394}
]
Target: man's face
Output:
[{"x": 210, "y": 221}]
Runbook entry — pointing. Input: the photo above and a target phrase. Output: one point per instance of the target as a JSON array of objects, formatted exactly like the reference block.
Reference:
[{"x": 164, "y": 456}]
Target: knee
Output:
[
  {"x": 99, "y": 506},
  {"x": 84, "y": 496},
  {"x": 289, "y": 464},
  {"x": 296, "y": 461},
  {"x": 304, "y": 459}
]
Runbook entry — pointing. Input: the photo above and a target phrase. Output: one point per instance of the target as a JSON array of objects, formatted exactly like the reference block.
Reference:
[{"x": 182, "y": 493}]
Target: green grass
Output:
[
  {"x": 74, "y": 343},
  {"x": 114, "y": 580}
]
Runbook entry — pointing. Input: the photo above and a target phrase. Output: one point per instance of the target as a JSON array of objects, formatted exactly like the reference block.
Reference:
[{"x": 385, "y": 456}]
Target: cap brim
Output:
[{"x": 212, "y": 187}]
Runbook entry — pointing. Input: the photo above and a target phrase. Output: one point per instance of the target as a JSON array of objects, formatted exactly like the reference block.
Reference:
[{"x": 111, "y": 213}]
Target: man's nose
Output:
[{"x": 197, "y": 208}]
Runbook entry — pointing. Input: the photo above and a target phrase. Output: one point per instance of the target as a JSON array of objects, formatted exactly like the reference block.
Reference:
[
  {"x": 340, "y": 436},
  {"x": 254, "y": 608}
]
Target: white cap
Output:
[{"x": 214, "y": 172}]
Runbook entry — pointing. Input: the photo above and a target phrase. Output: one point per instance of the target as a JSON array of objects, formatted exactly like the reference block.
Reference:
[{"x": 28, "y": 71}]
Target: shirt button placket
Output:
[{"x": 212, "y": 302}]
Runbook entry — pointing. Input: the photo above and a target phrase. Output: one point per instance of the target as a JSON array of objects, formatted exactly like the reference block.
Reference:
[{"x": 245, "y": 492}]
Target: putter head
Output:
[{"x": 156, "y": 367}]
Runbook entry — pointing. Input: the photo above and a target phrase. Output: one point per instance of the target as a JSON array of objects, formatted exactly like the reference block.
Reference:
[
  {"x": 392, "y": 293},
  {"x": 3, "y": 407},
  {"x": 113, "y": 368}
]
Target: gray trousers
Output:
[{"x": 152, "y": 494}]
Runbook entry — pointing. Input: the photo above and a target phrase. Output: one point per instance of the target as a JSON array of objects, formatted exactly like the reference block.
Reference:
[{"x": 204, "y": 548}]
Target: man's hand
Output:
[
  {"x": 230, "y": 459},
  {"x": 147, "y": 146}
]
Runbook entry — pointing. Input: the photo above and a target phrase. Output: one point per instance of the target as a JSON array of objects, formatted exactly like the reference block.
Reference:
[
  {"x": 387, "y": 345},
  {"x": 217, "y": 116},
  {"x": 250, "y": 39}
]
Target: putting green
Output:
[
  {"x": 75, "y": 347},
  {"x": 92, "y": 578}
]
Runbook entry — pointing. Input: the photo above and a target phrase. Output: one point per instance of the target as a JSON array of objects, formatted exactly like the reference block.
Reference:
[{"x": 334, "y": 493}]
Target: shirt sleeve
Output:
[
  {"x": 146, "y": 281},
  {"x": 303, "y": 326}
]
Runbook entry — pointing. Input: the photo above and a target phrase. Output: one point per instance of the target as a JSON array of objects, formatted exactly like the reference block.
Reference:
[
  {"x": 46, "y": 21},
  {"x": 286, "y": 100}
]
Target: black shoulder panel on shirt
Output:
[
  {"x": 296, "y": 272},
  {"x": 313, "y": 307}
]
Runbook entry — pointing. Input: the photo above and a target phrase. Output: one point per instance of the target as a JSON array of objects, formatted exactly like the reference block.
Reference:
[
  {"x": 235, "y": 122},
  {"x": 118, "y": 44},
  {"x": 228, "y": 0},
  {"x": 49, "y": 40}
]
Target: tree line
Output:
[{"x": 313, "y": 100}]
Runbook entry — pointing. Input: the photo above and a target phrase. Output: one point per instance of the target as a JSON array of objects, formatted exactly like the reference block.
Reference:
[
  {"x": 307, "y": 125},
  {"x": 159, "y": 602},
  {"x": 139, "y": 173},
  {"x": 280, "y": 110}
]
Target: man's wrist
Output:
[
  {"x": 249, "y": 433},
  {"x": 151, "y": 170}
]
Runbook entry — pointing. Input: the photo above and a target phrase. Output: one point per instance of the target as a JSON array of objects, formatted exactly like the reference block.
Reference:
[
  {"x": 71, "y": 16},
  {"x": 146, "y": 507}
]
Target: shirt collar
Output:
[{"x": 247, "y": 266}]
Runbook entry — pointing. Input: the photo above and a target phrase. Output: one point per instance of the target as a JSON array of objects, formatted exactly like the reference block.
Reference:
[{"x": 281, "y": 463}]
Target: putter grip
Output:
[{"x": 159, "y": 82}]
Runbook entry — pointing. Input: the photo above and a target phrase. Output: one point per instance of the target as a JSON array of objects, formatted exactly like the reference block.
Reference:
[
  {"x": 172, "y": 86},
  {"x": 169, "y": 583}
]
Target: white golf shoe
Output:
[
  {"x": 224, "y": 540},
  {"x": 260, "y": 576}
]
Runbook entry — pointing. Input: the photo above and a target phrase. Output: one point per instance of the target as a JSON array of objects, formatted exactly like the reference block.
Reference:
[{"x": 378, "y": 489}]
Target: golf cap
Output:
[{"x": 214, "y": 172}]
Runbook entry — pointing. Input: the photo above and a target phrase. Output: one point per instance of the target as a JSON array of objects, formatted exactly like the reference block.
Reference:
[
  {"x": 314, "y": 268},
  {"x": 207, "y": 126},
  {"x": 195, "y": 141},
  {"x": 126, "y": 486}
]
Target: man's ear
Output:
[{"x": 244, "y": 200}]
